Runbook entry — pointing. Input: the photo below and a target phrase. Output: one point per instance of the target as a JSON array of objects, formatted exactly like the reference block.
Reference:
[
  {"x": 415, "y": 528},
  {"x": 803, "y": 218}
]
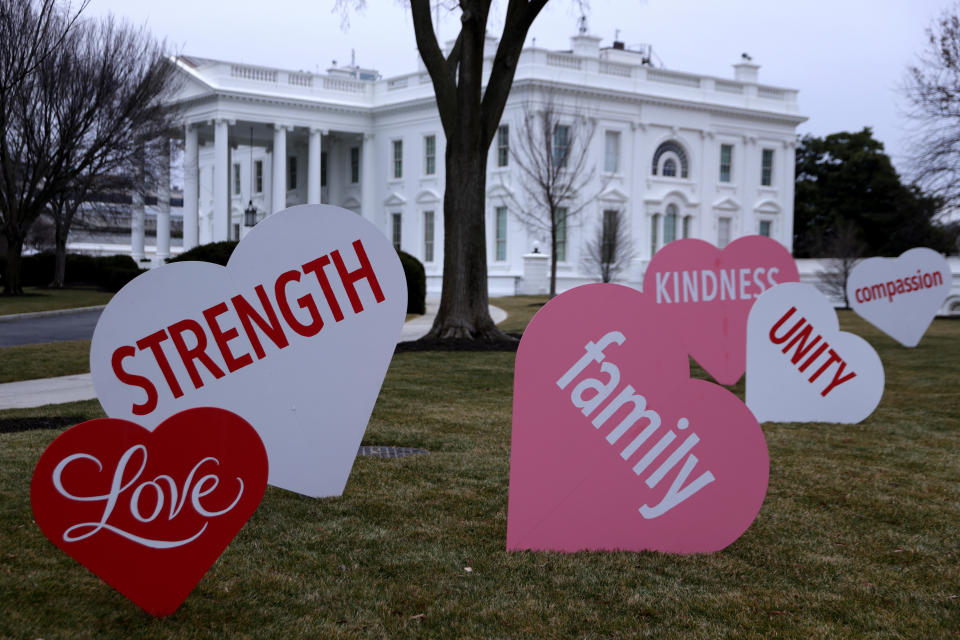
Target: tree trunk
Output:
[
  {"x": 464, "y": 311},
  {"x": 60, "y": 263},
  {"x": 11, "y": 281},
  {"x": 553, "y": 254}
]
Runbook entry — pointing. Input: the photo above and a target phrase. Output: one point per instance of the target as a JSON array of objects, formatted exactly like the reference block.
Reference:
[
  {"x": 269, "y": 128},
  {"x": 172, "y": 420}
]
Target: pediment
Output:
[
  {"x": 727, "y": 204},
  {"x": 499, "y": 191},
  {"x": 395, "y": 200},
  {"x": 613, "y": 195},
  {"x": 767, "y": 206},
  {"x": 190, "y": 83},
  {"x": 350, "y": 203},
  {"x": 427, "y": 196}
]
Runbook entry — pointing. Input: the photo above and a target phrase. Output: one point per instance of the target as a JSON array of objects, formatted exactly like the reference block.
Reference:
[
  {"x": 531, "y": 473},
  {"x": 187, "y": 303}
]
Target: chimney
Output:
[{"x": 746, "y": 70}]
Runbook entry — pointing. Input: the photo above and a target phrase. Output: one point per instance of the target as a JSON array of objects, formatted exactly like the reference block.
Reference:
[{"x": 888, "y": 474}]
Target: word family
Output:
[
  {"x": 799, "y": 340},
  {"x": 160, "y": 491},
  {"x": 225, "y": 322},
  {"x": 899, "y": 286},
  {"x": 590, "y": 393},
  {"x": 707, "y": 285}
]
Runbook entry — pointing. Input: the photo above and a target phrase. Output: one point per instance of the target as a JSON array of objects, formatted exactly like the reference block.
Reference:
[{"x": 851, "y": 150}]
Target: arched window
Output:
[
  {"x": 667, "y": 157},
  {"x": 670, "y": 224}
]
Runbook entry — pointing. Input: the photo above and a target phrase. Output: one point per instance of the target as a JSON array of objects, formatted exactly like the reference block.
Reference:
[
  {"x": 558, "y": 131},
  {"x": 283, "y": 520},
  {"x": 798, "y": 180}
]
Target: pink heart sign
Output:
[
  {"x": 150, "y": 512},
  {"x": 295, "y": 335},
  {"x": 900, "y": 296},
  {"x": 614, "y": 447},
  {"x": 801, "y": 367},
  {"x": 707, "y": 293}
]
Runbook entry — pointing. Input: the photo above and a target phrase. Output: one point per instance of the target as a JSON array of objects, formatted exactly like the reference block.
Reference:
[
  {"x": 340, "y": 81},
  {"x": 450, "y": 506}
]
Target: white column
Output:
[
  {"x": 313, "y": 166},
  {"x": 221, "y": 186},
  {"x": 191, "y": 188},
  {"x": 367, "y": 156},
  {"x": 279, "y": 167},
  {"x": 163, "y": 207},
  {"x": 137, "y": 216}
]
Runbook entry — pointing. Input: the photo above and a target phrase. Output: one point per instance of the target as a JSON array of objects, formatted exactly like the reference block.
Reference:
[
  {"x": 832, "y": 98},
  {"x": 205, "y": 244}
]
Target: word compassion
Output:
[
  {"x": 599, "y": 391},
  {"x": 706, "y": 285},
  {"x": 900, "y": 285},
  {"x": 162, "y": 491},
  {"x": 191, "y": 338},
  {"x": 802, "y": 344}
]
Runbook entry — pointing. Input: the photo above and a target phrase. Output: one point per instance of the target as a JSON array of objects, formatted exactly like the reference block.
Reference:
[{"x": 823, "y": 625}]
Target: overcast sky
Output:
[{"x": 847, "y": 57}]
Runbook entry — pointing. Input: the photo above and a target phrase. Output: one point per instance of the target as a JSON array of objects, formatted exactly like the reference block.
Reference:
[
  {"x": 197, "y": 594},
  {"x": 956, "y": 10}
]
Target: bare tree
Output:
[
  {"x": 95, "y": 96},
  {"x": 932, "y": 89},
  {"x": 845, "y": 249},
  {"x": 552, "y": 153},
  {"x": 610, "y": 251},
  {"x": 470, "y": 106}
]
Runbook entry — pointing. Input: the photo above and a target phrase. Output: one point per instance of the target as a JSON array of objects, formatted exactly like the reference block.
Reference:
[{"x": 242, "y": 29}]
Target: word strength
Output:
[
  {"x": 899, "y": 286},
  {"x": 798, "y": 337},
  {"x": 230, "y": 334},
  {"x": 706, "y": 285},
  {"x": 590, "y": 393}
]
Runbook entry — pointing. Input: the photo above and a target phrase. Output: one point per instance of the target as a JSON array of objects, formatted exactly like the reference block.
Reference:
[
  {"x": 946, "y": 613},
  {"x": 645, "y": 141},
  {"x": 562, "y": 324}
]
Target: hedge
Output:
[{"x": 107, "y": 272}]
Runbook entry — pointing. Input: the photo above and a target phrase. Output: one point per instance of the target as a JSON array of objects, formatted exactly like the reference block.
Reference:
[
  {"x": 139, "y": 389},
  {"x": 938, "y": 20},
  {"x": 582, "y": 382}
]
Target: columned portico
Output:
[
  {"x": 163, "y": 208},
  {"x": 279, "y": 199},
  {"x": 221, "y": 194},
  {"x": 313, "y": 166},
  {"x": 191, "y": 187}
]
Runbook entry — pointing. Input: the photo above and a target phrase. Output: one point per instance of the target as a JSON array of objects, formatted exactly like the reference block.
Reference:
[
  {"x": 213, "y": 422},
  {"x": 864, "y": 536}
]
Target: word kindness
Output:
[
  {"x": 800, "y": 341},
  {"x": 899, "y": 286},
  {"x": 707, "y": 285},
  {"x": 160, "y": 492},
  {"x": 599, "y": 391},
  {"x": 234, "y": 328}
]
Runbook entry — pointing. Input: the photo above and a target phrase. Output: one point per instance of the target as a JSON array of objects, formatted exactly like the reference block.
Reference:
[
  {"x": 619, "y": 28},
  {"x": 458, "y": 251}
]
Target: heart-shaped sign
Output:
[
  {"x": 707, "y": 293},
  {"x": 614, "y": 446},
  {"x": 900, "y": 296},
  {"x": 801, "y": 367},
  {"x": 150, "y": 512},
  {"x": 295, "y": 335}
]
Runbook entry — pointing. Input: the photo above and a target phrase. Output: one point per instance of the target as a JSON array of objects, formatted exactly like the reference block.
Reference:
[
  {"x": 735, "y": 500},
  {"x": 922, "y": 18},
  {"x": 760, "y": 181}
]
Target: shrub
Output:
[
  {"x": 107, "y": 272},
  {"x": 215, "y": 252},
  {"x": 416, "y": 283}
]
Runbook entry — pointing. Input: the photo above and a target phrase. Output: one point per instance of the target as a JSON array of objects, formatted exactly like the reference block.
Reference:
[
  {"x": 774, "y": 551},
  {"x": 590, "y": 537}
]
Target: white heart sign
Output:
[
  {"x": 900, "y": 296},
  {"x": 295, "y": 335},
  {"x": 801, "y": 367}
]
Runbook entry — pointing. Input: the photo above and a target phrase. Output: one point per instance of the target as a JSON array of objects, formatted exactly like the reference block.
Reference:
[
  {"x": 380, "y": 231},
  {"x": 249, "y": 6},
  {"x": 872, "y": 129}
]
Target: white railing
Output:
[
  {"x": 563, "y": 60},
  {"x": 668, "y": 77},
  {"x": 614, "y": 69},
  {"x": 345, "y": 85},
  {"x": 728, "y": 87},
  {"x": 771, "y": 94},
  {"x": 253, "y": 73},
  {"x": 397, "y": 83},
  {"x": 300, "y": 79}
]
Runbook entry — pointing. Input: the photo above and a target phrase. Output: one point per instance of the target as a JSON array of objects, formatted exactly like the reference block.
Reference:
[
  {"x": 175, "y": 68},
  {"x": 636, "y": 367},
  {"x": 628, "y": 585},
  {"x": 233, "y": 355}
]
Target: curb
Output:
[{"x": 54, "y": 312}]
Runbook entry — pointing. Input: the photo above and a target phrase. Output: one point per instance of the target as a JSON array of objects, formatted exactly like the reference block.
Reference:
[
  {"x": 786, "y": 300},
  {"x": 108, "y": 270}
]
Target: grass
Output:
[
  {"x": 857, "y": 537},
  {"x": 45, "y": 360},
  {"x": 41, "y": 299}
]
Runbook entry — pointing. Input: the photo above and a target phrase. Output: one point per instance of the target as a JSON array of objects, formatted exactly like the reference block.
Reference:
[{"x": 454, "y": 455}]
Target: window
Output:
[
  {"x": 503, "y": 145},
  {"x": 236, "y": 232},
  {"x": 428, "y": 236},
  {"x": 323, "y": 168},
  {"x": 398, "y": 159},
  {"x": 611, "y": 154},
  {"x": 258, "y": 176},
  {"x": 687, "y": 221},
  {"x": 396, "y": 226},
  {"x": 561, "y": 145},
  {"x": 670, "y": 224},
  {"x": 236, "y": 179},
  {"x": 608, "y": 237},
  {"x": 292, "y": 172},
  {"x": 561, "y": 248},
  {"x": 764, "y": 229},
  {"x": 670, "y": 152},
  {"x": 354, "y": 165},
  {"x": 723, "y": 232},
  {"x": 654, "y": 227},
  {"x": 501, "y": 238},
  {"x": 766, "y": 173},
  {"x": 726, "y": 162},
  {"x": 430, "y": 155}
]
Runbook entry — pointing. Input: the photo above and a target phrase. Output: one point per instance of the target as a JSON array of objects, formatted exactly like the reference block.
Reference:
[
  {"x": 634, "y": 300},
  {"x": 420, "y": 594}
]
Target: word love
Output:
[
  {"x": 614, "y": 446},
  {"x": 600, "y": 391},
  {"x": 160, "y": 489},
  {"x": 800, "y": 341},
  {"x": 901, "y": 295},
  {"x": 150, "y": 511},
  {"x": 801, "y": 367},
  {"x": 191, "y": 339},
  {"x": 706, "y": 285}
]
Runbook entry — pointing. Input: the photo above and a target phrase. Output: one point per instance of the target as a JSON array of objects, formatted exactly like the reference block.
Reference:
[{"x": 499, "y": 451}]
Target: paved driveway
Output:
[{"x": 76, "y": 325}]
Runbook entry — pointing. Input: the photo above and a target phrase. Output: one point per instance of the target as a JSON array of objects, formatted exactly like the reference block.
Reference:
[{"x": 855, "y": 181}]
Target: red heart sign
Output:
[
  {"x": 150, "y": 512},
  {"x": 614, "y": 446}
]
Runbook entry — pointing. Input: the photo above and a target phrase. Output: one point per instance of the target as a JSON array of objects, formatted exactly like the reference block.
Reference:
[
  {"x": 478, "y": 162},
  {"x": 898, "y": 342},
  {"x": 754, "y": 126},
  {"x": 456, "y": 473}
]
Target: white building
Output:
[{"x": 680, "y": 154}]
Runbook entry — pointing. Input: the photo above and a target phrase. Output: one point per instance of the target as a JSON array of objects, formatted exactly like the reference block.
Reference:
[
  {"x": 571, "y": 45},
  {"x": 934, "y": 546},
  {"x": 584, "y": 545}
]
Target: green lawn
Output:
[
  {"x": 39, "y": 299},
  {"x": 857, "y": 537}
]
